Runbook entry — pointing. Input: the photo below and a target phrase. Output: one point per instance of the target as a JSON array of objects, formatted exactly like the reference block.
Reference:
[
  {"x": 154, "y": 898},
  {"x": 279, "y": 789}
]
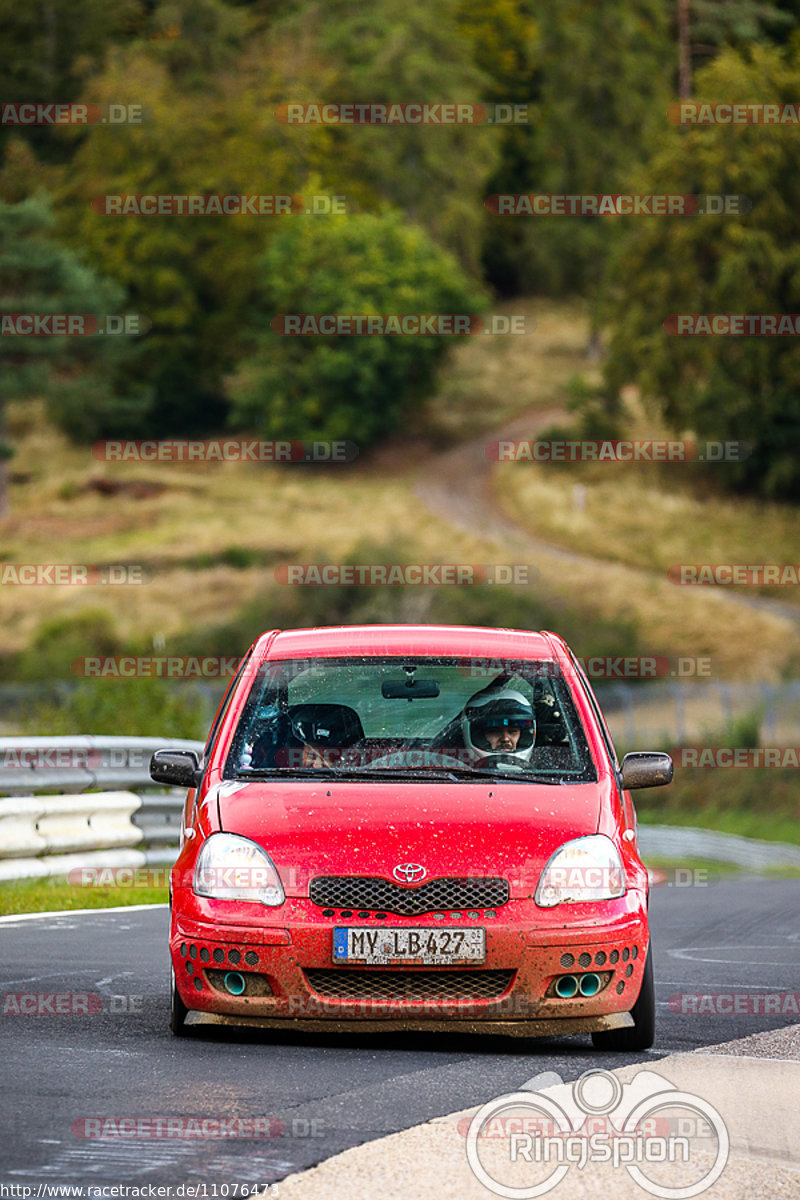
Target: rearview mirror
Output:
[
  {"x": 176, "y": 768},
  {"x": 409, "y": 689},
  {"x": 646, "y": 768}
]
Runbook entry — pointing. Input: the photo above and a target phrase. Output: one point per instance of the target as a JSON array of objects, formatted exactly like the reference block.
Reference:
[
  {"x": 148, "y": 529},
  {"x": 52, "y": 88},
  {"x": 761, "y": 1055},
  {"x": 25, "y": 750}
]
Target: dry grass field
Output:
[{"x": 211, "y": 536}]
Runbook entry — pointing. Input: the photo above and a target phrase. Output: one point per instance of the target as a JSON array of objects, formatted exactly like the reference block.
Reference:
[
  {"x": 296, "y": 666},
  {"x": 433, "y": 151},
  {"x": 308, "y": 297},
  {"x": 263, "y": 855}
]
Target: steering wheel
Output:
[
  {"x": 415, "y": 757},
  {"x": 502, "y": 759}
]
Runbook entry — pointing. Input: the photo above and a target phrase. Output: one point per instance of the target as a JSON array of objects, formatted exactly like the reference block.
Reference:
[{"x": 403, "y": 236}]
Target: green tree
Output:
[
  {"x": 740, "y": 387},
  {"x": 706, "y": 26},
  {"x": 506, "y": 45},
  {"x": 51, "y": 47},
  {"x": 435, "y": 174},
  {"x": 356, "y": 387},
  {"x": 207, "y": 102},
  {"x": 211, "y": 78},
  {"x": 76, "y": 375},
  {"x": 601, "y": 85}
]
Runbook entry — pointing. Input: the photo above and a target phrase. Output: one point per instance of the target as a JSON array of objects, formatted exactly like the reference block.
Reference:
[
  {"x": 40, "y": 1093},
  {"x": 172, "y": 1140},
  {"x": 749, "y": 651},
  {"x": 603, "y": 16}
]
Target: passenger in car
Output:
[{"x": 319, "y": 735}]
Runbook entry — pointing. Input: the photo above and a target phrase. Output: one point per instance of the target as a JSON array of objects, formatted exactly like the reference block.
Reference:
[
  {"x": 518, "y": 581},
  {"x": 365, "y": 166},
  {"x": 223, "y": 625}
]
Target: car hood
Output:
[{"x": 311, "y": 829}]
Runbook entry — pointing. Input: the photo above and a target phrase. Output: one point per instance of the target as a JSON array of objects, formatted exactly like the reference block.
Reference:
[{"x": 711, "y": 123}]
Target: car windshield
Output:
[{"x": 401, "y": 716}]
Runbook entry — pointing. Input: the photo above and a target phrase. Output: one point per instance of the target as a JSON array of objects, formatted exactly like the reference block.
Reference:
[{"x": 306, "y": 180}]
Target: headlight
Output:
[
  {"x": 234, "y": 868},
  {"x": 588, "y": 868}
]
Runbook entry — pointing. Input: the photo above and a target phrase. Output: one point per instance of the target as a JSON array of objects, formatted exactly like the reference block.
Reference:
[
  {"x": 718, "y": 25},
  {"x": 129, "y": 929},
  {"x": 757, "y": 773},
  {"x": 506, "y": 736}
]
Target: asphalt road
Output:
[{"x": 323, "y": 1093}]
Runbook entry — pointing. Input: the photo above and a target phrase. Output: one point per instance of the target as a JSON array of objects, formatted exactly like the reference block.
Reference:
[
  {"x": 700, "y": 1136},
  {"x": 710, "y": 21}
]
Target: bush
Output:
[
  {"x": 353, "y": 604},
  {"x": 58, "y": 643},
  {"x": 124, "y": 707},
  {"x": 338, "y": 387}
]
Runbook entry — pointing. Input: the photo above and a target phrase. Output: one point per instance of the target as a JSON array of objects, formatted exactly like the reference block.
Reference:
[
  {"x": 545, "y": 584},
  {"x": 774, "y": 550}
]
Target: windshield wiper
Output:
[
  {"x": 512, "y": 775},
  {"x": 458, "y": 772},
  {"x": 411, "y": 773},
  {"x": 287, "y": 772}
]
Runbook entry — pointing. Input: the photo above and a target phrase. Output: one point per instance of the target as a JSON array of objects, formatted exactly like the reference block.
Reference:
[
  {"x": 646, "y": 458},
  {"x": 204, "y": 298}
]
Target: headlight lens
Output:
[
  {"x": 234, "y": 868},
  {"x": 588, "y": 868}
]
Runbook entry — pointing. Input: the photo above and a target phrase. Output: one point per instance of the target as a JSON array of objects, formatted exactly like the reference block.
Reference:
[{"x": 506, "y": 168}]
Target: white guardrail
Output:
[
  {"x": 45, "y": 834},
  {"x": 114, "y": 826}
]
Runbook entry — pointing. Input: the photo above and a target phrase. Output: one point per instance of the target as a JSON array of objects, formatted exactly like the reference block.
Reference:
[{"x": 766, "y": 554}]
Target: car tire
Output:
[
  {"x": 641, "y": 1035},
  {"x": 177, "y": 1009}
]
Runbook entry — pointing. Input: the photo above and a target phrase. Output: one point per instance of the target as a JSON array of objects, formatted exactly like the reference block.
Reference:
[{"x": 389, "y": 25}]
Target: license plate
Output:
[{"x": 389, "y": 945}]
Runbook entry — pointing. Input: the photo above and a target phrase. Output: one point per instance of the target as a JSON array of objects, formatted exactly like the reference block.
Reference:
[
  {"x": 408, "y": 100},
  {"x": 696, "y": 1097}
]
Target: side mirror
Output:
[
  {"x": 176, "y": 768},
  {"x": 646, "y": 768}
]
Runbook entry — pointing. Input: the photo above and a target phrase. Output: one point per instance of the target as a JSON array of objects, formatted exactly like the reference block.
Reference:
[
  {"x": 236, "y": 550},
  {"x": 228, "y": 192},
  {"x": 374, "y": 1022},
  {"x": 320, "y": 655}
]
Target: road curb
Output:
[{"x": 757, "y": 1098}]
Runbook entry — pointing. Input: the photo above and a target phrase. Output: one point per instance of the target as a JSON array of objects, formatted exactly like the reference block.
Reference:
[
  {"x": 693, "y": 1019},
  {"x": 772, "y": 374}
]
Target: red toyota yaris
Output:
[{"x": 412, "y": 827}]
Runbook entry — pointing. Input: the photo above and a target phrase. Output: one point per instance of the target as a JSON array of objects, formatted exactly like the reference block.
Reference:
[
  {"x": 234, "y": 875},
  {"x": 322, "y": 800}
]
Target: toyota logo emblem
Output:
[{"x": 409, "y": 872}]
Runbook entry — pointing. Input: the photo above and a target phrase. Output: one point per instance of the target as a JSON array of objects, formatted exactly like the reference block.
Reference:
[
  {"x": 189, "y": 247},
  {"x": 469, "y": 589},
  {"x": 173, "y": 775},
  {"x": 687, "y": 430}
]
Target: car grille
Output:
[
  {"x": 408, "y": 985},
  {"x": 381, "y": 895}
]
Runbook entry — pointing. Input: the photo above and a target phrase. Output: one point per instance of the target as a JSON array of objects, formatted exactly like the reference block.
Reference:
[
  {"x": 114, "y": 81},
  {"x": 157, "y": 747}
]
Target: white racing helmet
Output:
[{"x": 504, "y": 708}]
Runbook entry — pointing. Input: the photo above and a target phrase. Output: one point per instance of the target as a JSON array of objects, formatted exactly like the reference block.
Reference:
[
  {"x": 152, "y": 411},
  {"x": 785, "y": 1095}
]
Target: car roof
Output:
[{"x": 457, "y": 640}]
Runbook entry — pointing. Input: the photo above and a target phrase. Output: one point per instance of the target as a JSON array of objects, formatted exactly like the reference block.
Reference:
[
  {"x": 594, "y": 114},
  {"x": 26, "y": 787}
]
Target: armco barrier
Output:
[
  {"x": 38, "y": 825},
  {"x": 682, "y": 842},
  {"x": 45, "y": 834},
  {"x": 55, "y": 834},
  {"x": 72, "y": 764}
]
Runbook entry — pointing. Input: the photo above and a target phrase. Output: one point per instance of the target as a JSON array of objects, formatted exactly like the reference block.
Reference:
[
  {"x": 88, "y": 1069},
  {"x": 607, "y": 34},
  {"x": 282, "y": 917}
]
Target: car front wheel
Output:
[
  {"x": 641, "y": 1035},
  {"x": 177, "y": 1009}
]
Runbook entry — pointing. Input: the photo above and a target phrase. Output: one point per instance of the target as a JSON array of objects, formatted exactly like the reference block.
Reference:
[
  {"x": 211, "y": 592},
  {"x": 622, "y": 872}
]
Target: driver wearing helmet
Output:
[{"x": 499, "y": 722}]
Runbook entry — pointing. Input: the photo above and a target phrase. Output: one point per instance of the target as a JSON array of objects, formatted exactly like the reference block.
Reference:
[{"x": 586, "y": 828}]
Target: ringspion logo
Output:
[{"x": 536, "y": 1138}]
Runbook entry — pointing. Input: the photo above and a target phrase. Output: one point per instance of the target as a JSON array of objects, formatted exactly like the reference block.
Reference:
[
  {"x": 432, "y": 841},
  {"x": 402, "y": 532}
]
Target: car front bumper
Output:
[{"x": 289, "y": 978}]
